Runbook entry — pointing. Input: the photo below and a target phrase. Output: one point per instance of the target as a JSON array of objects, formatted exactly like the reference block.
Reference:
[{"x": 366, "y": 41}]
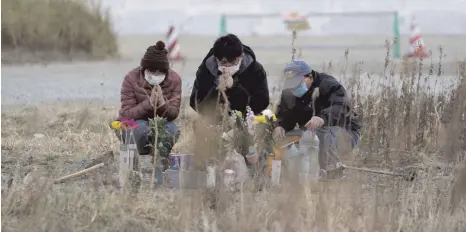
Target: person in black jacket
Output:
[
  {"x": 318, "y": 101},
  {"x": 231, "y": 66}
]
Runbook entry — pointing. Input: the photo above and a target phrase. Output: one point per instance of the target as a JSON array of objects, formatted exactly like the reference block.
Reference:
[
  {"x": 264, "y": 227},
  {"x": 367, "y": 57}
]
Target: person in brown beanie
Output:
[{"x": 150, "y": 87}]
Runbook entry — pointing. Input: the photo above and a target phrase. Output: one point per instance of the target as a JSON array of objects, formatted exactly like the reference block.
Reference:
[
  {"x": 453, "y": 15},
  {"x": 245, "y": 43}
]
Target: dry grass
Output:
[
  {"x": 402, "y": 126},
  {"x": 44, "y": 30}
]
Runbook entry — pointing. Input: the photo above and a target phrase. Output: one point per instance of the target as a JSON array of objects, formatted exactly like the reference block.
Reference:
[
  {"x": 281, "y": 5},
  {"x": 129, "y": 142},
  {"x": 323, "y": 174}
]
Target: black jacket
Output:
[
  {"x": 250, "y": 85},
  {"x": 331, "y": 104}
]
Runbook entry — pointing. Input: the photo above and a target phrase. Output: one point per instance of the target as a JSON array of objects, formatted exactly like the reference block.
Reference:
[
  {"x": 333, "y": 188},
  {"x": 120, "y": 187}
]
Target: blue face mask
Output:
[{"x": 300, "y": 90}]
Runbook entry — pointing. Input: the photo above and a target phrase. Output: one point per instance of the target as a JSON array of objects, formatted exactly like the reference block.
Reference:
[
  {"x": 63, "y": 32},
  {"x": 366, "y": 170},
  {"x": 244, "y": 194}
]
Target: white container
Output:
[
  {"x": 276, "y": 171},
  {"x": 129, "y": 159},
  {"x": 211, "y": 176}
]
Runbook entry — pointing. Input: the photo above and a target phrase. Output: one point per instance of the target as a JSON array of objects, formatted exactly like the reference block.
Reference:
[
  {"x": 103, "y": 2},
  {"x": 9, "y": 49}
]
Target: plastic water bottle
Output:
[
  {"x": 305, "y": 143},
  {"x": 314, "y": 156},
  {"x": 309, "y": 149},
  {"x": 292, "y": 157}
]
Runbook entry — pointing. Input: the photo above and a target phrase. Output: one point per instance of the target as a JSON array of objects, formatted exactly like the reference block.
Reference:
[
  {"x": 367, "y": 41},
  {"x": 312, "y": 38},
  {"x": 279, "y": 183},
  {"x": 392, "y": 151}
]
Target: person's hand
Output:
[
  {"x": 279, "y": 133},
  {"x": 156, "y": 97},
  {"x": 315, "y": 123},
  {"x": 225, "y": 81}
]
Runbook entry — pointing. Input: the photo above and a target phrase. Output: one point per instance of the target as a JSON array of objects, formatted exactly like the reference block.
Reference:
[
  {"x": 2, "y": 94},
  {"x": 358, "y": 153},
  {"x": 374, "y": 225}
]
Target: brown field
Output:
[
  {"x": 417, "y": 129},
  {"x": 415, "y": 120}
]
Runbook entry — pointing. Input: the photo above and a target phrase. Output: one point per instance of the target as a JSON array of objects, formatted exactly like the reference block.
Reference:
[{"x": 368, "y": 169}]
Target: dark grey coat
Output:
[{"x": 331, "y": 104}]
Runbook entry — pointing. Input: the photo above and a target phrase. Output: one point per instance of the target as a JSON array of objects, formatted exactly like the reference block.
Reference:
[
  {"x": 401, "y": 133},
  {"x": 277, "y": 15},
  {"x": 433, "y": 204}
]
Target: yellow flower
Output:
[
  {"x": 116, "y": 125},
  {"x": 260, "y": 119},
  {"x": 263, "y": 119}
]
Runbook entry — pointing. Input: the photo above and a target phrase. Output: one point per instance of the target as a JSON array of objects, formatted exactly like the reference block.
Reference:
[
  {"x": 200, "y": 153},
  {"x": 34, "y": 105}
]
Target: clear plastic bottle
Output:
[
  {"x": 309, "y": 149},
  {"x": 292, "y": 157},
  {"x": 314, "y": 156}
]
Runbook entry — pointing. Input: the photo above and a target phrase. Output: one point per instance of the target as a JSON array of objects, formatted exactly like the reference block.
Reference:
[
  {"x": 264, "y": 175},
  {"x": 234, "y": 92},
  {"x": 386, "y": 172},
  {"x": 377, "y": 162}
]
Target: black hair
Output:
[
  {"x": 228, "y": 46},
  {"x": 162, "y": 70}
]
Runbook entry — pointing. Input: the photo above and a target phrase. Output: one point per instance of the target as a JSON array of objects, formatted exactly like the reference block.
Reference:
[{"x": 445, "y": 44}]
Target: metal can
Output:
[{"x": 174, "y": 161}]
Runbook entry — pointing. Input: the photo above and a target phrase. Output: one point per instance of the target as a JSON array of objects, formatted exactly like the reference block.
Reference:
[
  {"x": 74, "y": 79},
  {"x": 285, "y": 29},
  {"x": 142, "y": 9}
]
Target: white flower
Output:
[
  {"x": 249, "y": 110},
  {"x": 268, "y": 113}
]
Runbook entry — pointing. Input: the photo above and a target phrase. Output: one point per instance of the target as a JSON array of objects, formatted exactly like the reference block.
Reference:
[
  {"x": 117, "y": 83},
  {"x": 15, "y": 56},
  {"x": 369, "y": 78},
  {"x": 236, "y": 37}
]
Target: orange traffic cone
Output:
[
  {"x": 172, "y": 45},
  {"x": 416, "y": 44}
]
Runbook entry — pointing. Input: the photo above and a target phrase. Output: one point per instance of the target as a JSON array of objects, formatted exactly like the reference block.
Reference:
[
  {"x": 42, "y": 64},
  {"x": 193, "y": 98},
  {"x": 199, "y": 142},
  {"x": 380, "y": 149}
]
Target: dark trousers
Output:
[
  {"x": 141, "y": 136},
  {"x": 334, "y": 142}
]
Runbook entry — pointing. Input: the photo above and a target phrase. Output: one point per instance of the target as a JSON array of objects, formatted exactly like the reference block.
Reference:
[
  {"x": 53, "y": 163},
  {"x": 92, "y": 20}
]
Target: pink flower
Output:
[{"x": 129, "y": 123}]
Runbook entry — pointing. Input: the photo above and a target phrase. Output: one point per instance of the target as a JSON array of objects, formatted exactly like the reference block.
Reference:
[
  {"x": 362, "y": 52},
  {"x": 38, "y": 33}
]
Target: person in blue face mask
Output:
[{"x": 314, "y": 100}]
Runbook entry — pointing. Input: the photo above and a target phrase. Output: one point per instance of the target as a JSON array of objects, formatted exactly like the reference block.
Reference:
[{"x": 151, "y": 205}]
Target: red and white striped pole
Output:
[
  {"x": 172, "y": 44},
  {"x": 416, "y": 44}
]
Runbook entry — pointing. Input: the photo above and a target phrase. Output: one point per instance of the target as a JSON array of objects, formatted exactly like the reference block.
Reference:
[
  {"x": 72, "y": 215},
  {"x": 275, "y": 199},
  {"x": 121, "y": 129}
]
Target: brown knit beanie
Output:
[{"x": 155, "y": 58}]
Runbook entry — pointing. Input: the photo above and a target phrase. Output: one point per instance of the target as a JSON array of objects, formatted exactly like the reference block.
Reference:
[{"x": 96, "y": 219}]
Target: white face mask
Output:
[
  {"x": 154, "y": 79},
  {"x": 230, "y": 69}
]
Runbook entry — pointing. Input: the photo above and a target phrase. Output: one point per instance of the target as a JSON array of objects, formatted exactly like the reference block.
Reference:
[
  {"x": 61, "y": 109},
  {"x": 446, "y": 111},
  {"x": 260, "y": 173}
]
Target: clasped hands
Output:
[{"x": 156, "y": 96}]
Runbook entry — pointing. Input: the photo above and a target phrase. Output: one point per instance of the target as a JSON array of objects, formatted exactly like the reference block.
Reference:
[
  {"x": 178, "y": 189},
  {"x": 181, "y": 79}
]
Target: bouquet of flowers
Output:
[
  {"x": 251, "y": 132},
  {"x": 158, "y": 130},
  {"x": 267, "y": 117},
  {"x": 238, "y": 137},
  {"x": 129, "y": 158},
  {"x": 126, "y": 125},
  {"x": 123, "y": 124},
  {"x": 264, "y": 124}
]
